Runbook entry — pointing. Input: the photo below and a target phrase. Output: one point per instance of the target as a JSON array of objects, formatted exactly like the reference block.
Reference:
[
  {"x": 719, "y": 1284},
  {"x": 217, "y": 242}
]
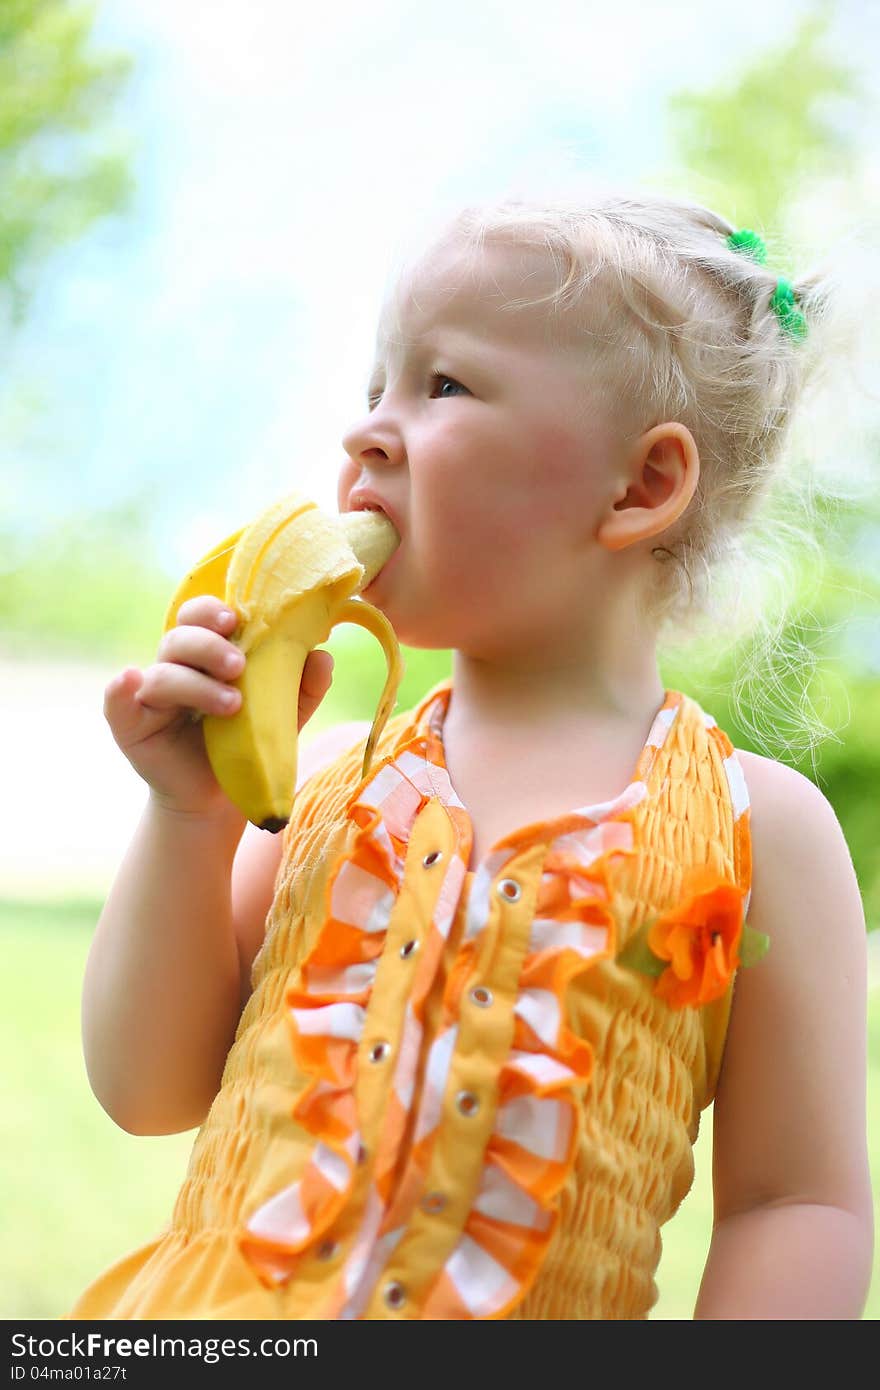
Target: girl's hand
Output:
[{"x": 150, "y": 712}]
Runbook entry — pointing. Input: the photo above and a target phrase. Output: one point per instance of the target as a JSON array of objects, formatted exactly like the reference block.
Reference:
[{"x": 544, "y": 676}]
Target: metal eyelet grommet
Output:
[
  {"x": 482, "y": 996},
  {"x": 394, "y": 1294},
  {"x": 432, "y": 1202},
  {"x": 509, "y": 889},
  {"x": 434, "y": 857},
  {"x": 327, "y": 1249},
  {"x": 467, "y": 1103},
  {"x": 409, "y": 948},
  {"x": 379, "y": 1051}
]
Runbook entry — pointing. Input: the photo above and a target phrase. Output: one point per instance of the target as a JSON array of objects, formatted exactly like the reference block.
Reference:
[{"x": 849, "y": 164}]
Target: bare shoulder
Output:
[
  {"x": 795, "y": 1051},
  {"x": 765, "y": 774},
  {"x": 798, "y": 848},
  {"x": 784, "y": 803},
  {"x": 258, "y": 856}
]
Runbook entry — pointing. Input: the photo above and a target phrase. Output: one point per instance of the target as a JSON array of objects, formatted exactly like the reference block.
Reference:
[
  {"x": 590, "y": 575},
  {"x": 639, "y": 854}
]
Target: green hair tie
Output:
[
  {"x": 784, "y": 304},
  {"x": 783, "y": 301},
  {"x": 748, "y": 244}
]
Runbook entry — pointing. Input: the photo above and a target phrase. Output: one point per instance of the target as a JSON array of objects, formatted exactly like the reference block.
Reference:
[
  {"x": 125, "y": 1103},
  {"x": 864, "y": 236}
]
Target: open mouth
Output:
[{"x": 369, "y": 504}]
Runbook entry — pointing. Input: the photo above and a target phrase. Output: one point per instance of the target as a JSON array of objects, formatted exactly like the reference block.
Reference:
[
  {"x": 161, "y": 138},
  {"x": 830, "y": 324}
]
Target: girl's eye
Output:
[{"x": 437, "y": 379}]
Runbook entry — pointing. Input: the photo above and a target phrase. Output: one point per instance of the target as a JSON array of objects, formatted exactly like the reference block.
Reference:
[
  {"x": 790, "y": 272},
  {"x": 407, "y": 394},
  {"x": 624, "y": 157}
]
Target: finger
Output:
[
  {"x": 203, "y": 649},
  {"x": 120, "y": 690},
  {"x": 171, "y": 687},
  {"x": 316, "y": 680},
  {"x": 207, "y": 610},
  {"x": 130, "y": 721},
  {"x": 317, "y": 674}
]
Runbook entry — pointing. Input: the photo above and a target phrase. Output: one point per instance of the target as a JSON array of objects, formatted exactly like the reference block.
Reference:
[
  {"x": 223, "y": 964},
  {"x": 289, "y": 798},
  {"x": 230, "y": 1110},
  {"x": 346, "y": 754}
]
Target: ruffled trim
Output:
[
  {"x": 533, "y": 1143},
  {"x": 532, "y": 1146},
  {"x": 326, "y": 1011}
]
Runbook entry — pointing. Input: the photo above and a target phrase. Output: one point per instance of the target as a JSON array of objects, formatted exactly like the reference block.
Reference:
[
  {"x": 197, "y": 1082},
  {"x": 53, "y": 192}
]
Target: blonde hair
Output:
[{"x": 676, "y": 325}]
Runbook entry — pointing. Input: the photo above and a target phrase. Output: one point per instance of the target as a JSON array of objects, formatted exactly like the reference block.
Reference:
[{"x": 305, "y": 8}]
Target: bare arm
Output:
[
  {"x": 169, "y": 967},
  {"x": 161, "y": 996},
  {"x": 161, "y": 992},
  {"x": 793, "y": 1230},
  {"x": 792, "y": 1262}
]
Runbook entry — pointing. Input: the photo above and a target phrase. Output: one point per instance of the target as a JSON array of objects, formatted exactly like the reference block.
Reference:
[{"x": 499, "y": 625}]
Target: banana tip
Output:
[{"x": 273, "y": 824}]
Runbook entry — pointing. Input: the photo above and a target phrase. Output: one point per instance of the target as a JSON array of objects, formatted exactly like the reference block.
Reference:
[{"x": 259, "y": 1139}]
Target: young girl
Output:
[{"x": 449, "y": 1037}]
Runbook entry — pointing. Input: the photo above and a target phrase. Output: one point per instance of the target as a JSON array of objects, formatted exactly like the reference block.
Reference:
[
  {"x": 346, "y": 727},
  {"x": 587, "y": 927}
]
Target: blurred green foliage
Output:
[
  {"x": 61, "y": 166},
  {"x": 64, "y": 166},
  {"x": 773, "y": 127},
  {"x": 88, "y": 587},
  {"x": 751, "y": 146}
]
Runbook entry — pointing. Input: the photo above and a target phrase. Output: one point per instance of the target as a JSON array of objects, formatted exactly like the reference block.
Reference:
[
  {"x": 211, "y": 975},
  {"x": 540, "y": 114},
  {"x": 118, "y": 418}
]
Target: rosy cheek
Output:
[{"x": 561, "y": 485}]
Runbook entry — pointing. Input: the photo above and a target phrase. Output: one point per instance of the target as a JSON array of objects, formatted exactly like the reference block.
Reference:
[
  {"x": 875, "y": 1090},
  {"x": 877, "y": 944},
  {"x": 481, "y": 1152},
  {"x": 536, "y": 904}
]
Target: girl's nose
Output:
[{"x": 374, "y": 437}]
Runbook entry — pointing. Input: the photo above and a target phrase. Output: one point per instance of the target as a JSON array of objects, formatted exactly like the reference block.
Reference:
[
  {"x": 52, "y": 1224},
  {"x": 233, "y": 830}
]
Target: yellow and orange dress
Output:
[{"x": 447, "y": 1096}]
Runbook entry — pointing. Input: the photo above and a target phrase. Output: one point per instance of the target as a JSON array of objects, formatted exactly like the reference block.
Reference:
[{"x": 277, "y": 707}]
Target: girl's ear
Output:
[{"x": 659, "y": 477}]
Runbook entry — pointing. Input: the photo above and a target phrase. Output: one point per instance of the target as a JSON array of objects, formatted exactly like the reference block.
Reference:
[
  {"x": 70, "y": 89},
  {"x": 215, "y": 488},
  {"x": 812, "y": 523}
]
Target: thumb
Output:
[
  {"x": 323, "y": 665},
  {"x": 317, "y": 673}
]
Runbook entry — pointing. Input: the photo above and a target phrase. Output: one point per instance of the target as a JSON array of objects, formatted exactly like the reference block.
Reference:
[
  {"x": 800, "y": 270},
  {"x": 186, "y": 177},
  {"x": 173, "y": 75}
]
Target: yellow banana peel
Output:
[{"x": 291, "y": 576}]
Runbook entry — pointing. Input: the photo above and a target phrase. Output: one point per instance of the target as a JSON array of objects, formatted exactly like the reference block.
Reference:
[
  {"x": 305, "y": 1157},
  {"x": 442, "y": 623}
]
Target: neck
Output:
[{"x": 585, "y": 678}]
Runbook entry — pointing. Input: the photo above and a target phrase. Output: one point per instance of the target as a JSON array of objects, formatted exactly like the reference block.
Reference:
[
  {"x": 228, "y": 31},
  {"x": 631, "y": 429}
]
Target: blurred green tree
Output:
[
  {"x": 64, "y": 166},
  {"x": 750, "y": 147},
  {"x": 59, "y": 168},
  {"x": 779, "y": 124}
]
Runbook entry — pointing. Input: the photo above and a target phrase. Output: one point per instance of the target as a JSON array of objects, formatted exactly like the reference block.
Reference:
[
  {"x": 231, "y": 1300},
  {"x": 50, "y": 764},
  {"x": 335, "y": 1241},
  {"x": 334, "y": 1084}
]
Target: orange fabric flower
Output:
[{"x": 700, "y": 937}]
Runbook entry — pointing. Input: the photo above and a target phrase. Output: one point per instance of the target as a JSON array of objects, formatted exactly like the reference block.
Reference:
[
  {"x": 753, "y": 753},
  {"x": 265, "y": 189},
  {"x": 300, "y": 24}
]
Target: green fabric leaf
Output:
[
  {"x": 637, "y": 954},
  {"x": 753, "y": 945}
]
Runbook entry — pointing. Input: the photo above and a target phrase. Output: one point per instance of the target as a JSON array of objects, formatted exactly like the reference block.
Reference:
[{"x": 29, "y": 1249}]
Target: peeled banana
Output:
[{"x": 290, "y": 576}]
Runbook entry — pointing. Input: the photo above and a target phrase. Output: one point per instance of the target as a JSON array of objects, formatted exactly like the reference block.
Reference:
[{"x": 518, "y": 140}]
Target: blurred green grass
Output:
[{"x": 78, "y": 1193}]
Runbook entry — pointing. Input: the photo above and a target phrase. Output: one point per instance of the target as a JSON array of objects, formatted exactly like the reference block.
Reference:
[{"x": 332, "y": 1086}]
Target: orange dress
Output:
[{"x": 447, "y": 1096}]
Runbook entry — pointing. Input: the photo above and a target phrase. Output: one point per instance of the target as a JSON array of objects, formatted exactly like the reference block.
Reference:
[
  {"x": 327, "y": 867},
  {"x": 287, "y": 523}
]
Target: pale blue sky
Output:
[{"x": 212, "y": 347}]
